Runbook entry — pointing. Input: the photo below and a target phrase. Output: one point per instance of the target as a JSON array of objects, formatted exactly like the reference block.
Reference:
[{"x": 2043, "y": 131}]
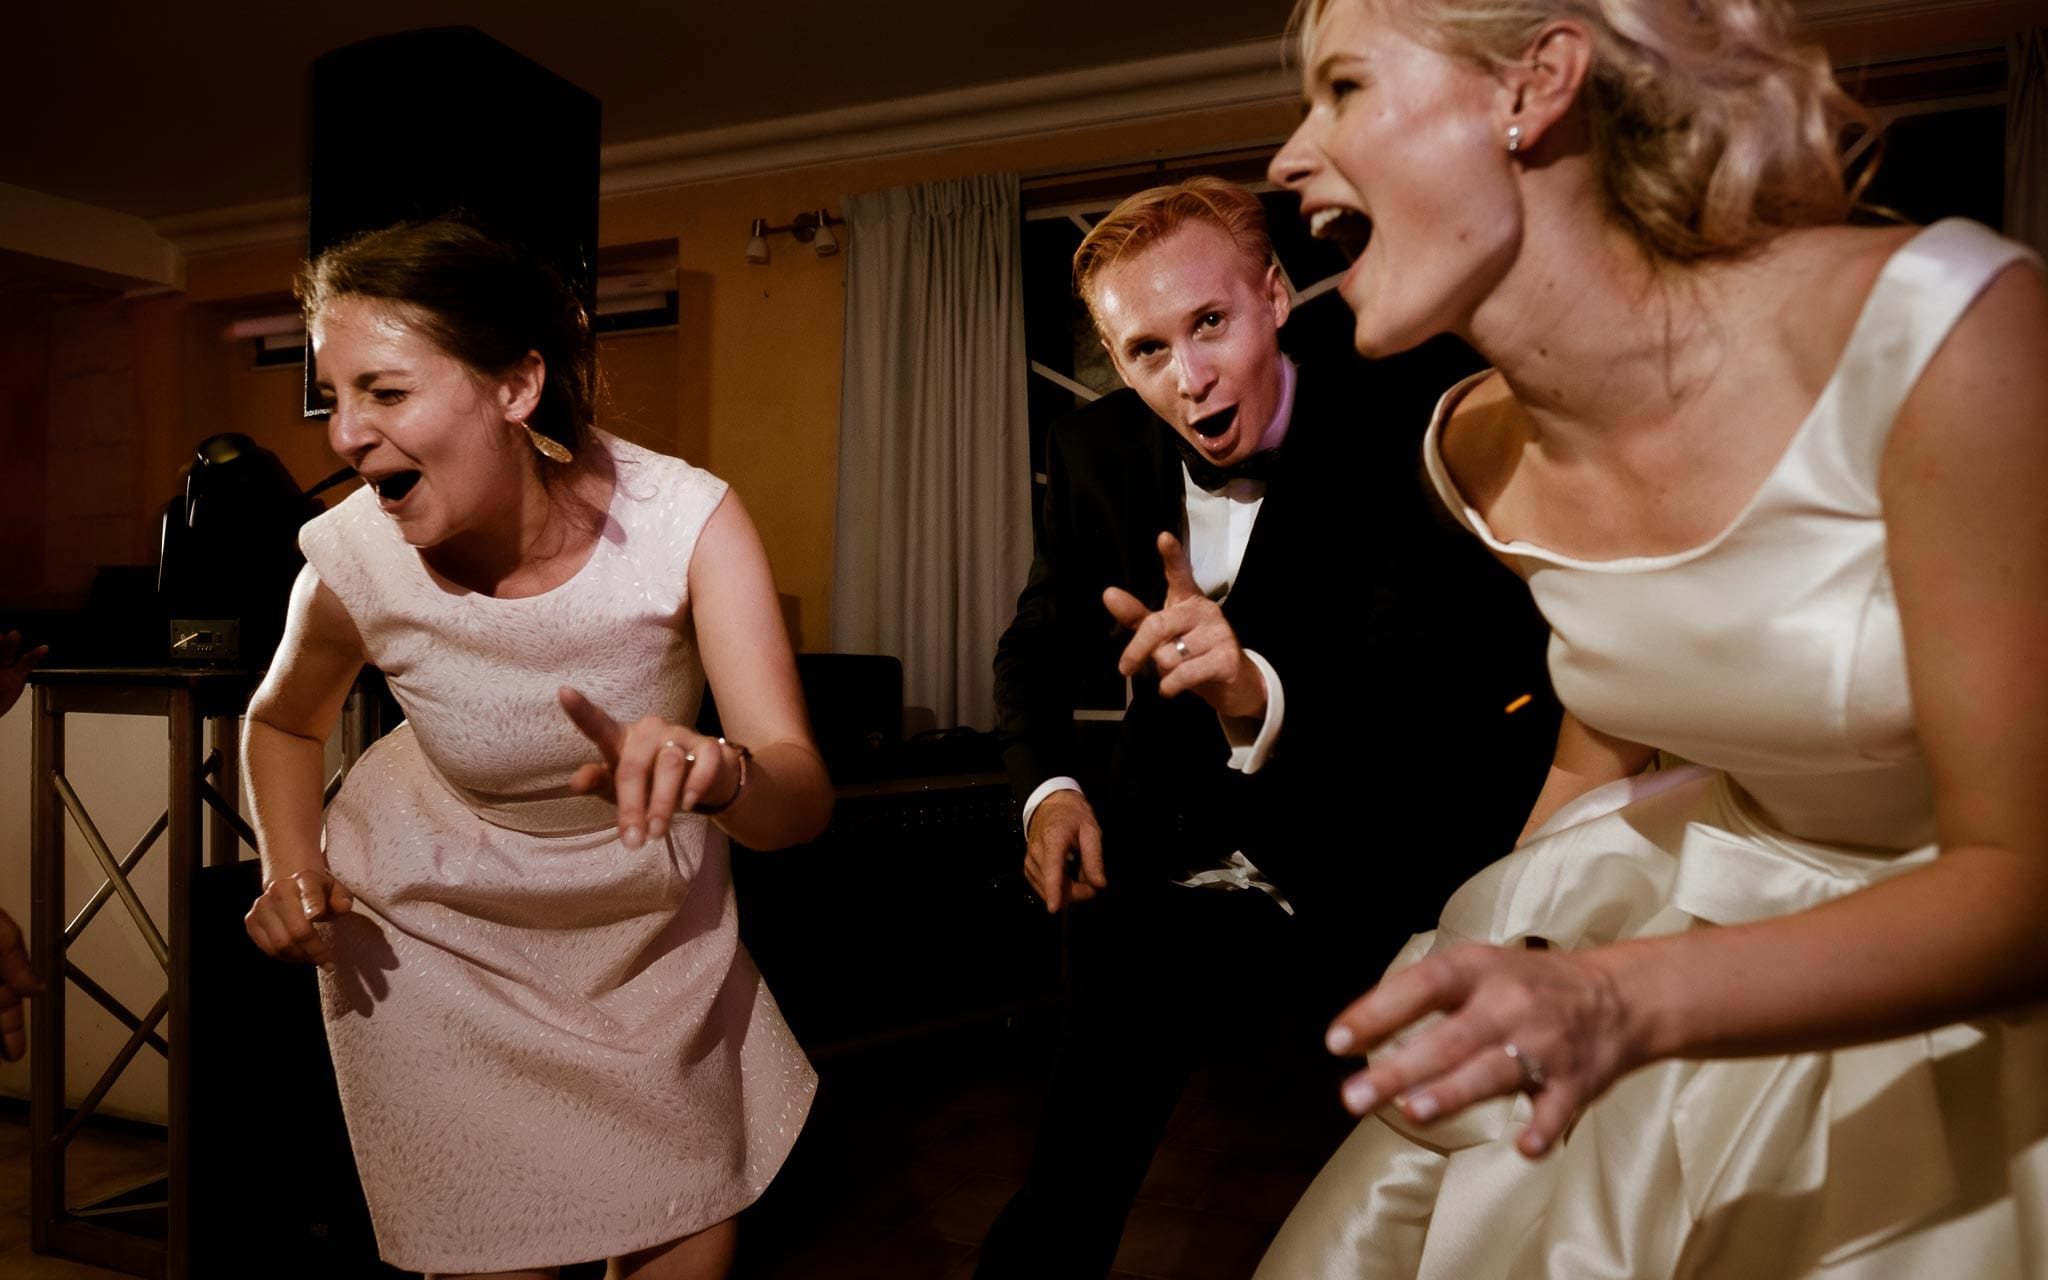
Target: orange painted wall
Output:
[{"x": 747, "y": 384}]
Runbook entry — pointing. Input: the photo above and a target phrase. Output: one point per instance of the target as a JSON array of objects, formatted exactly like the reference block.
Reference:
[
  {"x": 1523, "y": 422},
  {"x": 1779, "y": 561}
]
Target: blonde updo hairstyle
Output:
[{"x": 1711, "y": 130}]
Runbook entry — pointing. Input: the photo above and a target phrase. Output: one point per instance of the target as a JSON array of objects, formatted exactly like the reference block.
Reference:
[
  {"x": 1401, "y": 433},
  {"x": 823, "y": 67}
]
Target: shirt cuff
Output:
[
  {"x": 1251, "y": 741},
  {"x": 1044, "y": 789}
]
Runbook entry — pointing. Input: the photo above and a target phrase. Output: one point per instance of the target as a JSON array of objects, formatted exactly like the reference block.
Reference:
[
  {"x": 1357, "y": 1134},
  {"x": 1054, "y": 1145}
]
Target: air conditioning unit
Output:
[
  {"x": 636, "y": 302},
  {"x": 631, "y": 302}
]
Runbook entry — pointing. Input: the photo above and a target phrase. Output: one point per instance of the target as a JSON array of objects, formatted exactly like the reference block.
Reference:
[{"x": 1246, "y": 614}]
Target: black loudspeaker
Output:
[
  {"x": 423, "y": 123},
  {"x": 856, "y": 706}
]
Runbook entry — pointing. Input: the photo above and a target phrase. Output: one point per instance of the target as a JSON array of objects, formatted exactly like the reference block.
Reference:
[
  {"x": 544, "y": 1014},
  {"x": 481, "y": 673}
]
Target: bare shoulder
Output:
[
  {"x": 1811, "y": 286},
  {"x": 319, "y": 620},
  {"x": 1481, "y": 439},
  {"x": 1984, "y": 395},
  {"x": 729, "y": 550},
  {"x": 729, "y": 520},
  {"x": 315, "y": 664},
  {"x": 1843, "y": 253}
]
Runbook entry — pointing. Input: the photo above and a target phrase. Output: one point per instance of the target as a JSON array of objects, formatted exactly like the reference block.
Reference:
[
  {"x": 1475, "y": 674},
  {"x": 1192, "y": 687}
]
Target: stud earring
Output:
[
  {"x": 1514, "y": 138},
  {"x": 551, "y": 449}
]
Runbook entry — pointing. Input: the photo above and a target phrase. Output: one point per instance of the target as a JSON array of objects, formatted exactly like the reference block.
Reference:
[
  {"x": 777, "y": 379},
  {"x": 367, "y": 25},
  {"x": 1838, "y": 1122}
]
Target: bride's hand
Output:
[
  {"x": 650, "y": 767},
  {"x": 1562, "y": 1014}
]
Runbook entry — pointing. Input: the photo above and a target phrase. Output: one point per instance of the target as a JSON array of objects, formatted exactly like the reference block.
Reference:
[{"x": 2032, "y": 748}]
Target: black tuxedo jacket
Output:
[{"x": 1398, "y": 640}]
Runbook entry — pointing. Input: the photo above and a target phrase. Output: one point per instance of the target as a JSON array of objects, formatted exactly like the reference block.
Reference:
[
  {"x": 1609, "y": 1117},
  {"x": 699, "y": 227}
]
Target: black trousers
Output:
[{"x": 1159, "y": 975}]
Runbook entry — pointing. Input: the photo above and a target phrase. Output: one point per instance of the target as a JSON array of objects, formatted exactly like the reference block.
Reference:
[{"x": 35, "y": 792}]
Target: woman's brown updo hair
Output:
[
  {"x": 481, "y": 300},
  {"x": 1712, "y": 130}
]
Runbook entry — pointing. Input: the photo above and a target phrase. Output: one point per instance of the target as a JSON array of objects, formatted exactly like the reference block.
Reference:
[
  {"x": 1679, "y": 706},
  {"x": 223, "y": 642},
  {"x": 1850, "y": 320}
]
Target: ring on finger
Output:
[
  {"x": 689, "y": 756},
  {"x": 1528, "y": 1064},
  {"x": 1180, "y": 646}
]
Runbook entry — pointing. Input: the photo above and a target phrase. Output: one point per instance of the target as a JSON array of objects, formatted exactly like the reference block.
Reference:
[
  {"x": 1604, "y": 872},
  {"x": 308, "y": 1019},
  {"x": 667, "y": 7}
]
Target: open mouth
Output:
[
  {"x": 1348, "y": 229},
  {"x": 1215, "y": 424},
  {"x": 394, "y": 487}
]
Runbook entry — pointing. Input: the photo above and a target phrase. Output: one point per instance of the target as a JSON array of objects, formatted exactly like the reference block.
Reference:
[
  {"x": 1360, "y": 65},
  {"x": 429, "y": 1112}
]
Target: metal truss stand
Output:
[{"x": 187, "y": 700}]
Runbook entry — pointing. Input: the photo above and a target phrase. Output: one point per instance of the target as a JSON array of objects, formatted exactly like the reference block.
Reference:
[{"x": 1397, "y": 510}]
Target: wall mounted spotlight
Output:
[
  {"x": 811, "y": 227},
  {"x": 827, "y": 243}
]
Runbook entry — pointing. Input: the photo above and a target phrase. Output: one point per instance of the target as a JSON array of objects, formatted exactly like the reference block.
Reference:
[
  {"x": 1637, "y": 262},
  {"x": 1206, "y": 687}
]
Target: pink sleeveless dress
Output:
[
  {"x": 550, "y": 1047},
  {"x": 1771, "y": 657}
]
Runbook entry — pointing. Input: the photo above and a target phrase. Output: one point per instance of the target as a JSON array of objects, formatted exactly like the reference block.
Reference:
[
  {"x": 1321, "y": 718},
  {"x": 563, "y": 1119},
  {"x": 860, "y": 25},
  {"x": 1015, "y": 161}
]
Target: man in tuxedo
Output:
[{"x": 1326, "y": 727}]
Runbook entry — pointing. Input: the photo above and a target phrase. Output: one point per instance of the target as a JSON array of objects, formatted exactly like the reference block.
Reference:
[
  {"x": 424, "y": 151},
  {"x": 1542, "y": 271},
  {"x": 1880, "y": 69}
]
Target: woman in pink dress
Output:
[{"x": 550, "y": 1045}]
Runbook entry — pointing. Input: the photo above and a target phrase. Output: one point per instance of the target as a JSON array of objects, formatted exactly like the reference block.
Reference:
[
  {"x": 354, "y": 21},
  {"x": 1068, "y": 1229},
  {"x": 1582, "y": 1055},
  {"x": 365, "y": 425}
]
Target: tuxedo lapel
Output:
[
  {"x": 1266, "y": 550},
  {"x": 1273, "y": 555}
]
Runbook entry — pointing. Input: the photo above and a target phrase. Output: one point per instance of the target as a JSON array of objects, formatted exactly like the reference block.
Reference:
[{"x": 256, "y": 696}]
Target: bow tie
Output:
[{"x": 1260, "y": 466}]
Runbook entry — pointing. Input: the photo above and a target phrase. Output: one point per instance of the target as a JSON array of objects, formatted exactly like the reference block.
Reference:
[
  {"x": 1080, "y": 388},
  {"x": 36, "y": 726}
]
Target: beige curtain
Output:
[
  {"x": 934, "y": 521},
  {"x": 2026, "y": 139}
]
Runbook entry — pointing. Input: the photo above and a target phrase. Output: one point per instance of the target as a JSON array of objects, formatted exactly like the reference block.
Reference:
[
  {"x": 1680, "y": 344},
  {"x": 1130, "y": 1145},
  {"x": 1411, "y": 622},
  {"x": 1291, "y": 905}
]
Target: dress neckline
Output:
[
  {"x": 456, "y": 591},
  {"x": 1861, "y": 334}
]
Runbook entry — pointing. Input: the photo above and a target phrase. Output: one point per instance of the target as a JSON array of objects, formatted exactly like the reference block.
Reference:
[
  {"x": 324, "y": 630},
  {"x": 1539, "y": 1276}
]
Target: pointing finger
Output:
[
  {"x": 1180, "y": 571},
  {"x": 591, "y": 720}
]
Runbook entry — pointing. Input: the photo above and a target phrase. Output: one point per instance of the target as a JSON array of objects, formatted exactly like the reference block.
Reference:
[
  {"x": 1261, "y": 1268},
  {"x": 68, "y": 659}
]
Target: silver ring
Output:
[
  {"x": 1180, "y": 646},
  {"x": 1528, "y": 1064},
  {"x": 689, "y": 756}
]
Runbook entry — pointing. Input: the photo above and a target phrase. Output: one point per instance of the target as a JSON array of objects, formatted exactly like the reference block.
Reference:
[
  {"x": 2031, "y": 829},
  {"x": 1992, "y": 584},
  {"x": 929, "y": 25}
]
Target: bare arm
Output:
[
  {"x": 747, "y": 659},
  {"x": 283, "y": 751},
  {"x": 1968, "y": 539},
  {"x": 1586, "y": 758}
]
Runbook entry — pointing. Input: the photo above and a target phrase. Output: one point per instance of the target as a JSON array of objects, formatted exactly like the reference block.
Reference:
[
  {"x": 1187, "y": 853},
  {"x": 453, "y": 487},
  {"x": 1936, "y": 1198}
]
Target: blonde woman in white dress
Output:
[{"x": 1777, "y": 484}]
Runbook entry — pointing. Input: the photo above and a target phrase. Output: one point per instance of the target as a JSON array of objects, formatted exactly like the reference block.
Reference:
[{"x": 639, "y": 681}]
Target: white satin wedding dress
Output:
[{"x": 1771, "y": 655}]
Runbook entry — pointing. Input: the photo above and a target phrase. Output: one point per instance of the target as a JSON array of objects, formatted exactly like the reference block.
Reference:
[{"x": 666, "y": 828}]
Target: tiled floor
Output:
[{"x": 911, "y": 1152}]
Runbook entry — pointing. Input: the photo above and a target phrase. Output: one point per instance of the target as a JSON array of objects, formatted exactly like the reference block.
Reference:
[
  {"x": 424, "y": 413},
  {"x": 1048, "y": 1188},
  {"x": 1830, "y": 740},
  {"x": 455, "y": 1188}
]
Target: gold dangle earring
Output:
[{"x": 547, "y": 446}]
